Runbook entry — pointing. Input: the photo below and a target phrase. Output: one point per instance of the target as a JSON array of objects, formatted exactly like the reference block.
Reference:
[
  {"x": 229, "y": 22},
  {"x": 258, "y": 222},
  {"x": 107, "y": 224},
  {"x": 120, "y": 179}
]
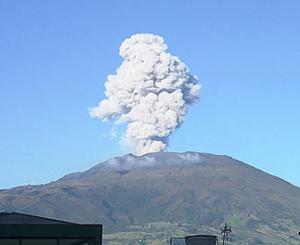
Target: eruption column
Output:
[{"x": 150, "y": 91}]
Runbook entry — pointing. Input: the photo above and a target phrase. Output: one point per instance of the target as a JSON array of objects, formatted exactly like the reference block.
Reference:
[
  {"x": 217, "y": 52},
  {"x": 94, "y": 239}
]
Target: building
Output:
[
  {"x": 194, "y": 240},
  {"x": 24, "y": 229},
  {"x": 201, "y": 240}
]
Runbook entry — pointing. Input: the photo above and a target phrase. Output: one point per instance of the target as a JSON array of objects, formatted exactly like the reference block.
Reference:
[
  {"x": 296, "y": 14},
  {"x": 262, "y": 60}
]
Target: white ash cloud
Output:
[{"x": 151, "y": 92}]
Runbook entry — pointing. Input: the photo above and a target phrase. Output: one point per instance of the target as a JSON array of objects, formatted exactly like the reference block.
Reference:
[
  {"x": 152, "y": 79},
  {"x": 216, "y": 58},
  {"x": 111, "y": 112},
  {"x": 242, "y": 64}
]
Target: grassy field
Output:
[{"x": 159, "y": 233}]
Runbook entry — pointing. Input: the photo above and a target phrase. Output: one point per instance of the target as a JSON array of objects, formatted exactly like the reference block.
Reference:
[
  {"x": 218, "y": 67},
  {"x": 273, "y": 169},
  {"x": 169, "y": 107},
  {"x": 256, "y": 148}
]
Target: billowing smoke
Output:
[{"x": 150, "y": 91}]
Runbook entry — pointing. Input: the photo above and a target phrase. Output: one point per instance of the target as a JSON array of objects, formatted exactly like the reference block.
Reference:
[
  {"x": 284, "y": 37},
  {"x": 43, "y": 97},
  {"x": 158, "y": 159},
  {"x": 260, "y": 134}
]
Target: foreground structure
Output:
[
  {"x": 23, "y": 229},
  {"x": 194, "y": 240}
]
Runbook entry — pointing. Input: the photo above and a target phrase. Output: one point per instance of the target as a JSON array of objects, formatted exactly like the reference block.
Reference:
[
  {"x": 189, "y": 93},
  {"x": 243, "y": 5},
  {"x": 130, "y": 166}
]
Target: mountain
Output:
[{"x": 160, "y": 195}]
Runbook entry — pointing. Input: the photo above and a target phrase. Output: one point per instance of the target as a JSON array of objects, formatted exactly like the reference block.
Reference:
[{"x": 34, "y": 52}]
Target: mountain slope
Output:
[{"x": 169, "y": 194}]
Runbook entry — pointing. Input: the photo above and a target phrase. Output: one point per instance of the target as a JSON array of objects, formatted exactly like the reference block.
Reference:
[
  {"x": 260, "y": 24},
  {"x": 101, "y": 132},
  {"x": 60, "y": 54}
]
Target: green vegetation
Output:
[{"x": 159, "y": 233}]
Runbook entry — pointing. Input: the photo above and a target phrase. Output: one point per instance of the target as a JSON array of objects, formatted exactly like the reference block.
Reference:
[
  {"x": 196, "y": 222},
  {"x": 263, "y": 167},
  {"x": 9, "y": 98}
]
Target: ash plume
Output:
[{"x": 151, "y": 92}]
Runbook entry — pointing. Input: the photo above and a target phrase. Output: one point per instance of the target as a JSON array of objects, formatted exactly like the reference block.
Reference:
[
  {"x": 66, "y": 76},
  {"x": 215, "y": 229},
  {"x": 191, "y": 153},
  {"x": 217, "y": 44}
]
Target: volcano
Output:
[{"x": 161, "y": 195}]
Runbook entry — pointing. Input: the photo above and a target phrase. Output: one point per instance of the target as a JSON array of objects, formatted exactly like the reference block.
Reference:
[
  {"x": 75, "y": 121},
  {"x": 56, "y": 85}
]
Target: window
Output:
[
  {"x": 9, "y": 241},
  {"x": 72, "y": 242},
  {"x": 39, "y": 242}
]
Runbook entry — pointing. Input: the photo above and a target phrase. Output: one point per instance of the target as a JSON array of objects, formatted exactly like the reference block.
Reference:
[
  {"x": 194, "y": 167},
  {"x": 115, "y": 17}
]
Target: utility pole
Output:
[{"x": 225, "y": 231}]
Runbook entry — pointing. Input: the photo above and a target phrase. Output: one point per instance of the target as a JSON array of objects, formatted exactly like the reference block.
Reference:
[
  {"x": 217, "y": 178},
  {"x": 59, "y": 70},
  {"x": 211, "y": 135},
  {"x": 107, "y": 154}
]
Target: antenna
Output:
[{"x": 225, "y": 232}]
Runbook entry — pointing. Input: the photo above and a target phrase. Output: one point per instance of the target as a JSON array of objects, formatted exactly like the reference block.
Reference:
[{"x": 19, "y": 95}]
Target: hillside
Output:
[{"x": 159, "y": 195}]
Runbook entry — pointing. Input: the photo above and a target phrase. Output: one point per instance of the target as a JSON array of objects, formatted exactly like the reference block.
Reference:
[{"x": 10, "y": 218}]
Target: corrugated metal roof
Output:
[{"x": 19, "y": 218}]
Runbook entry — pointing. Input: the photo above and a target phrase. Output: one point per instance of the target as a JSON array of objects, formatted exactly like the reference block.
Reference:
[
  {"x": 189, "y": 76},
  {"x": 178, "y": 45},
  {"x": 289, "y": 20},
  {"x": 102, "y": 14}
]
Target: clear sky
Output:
[{"x": 55, "y": 56}]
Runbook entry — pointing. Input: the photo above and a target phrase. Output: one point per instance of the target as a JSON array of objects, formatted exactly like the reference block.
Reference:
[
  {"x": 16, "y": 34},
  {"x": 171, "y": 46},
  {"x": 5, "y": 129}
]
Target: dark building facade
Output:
[
  {"x": 195, "y": 240},
  {"x": 201, "y": 240},
  {"x": 23, "y": 229}
]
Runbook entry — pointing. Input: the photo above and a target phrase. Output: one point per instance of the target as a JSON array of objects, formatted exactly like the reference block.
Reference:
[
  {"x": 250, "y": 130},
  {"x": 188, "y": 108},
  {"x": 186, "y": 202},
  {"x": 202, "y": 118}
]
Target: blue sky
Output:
[{"x": 55, "y": 56}]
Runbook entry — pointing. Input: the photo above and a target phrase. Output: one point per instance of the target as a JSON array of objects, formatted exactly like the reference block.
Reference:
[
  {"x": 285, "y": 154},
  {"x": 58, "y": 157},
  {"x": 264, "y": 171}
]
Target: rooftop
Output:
[{"x": 19, "y": 218}]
